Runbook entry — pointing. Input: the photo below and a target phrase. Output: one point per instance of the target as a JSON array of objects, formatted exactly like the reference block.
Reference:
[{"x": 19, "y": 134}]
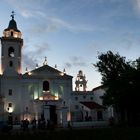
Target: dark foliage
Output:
[{"x": 122, "y": 82}]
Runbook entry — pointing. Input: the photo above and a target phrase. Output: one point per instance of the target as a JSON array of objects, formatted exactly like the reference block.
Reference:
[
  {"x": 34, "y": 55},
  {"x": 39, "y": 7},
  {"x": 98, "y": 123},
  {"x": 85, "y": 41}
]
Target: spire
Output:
[
  {"x": 26, "y": 70},
  {"x": 64, "y": 71},
  {"x": 36, "y": 66},
  {"x": 55, "y": 66},
  {"x": 45, "y": 61}
]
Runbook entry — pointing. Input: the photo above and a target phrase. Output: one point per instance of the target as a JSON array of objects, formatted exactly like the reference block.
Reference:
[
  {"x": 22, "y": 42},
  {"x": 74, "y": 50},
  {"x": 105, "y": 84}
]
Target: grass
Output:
[{"x": 76, "y": 134}]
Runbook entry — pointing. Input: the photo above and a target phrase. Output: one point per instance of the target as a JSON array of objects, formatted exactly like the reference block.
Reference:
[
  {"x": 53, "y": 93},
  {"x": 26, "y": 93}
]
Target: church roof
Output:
[
  {"x": 92, "y": 105},
  {"x": 99, "y": 87},
  {"x": 12, "y": 25},
  {"x": 48, "y": 70}
]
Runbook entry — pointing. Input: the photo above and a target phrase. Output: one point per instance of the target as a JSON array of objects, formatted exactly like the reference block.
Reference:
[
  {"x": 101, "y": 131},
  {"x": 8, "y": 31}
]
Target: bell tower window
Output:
[
  {"x": 11, "y": 33},
  {"x": 10, "y": 92},
  {"x": 11, "y": 52},
  {"x": 11, "y": 64},
  {"x": 46, "y": 86}
]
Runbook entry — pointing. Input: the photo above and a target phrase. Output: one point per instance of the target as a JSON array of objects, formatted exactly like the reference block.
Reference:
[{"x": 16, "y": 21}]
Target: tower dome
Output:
[
  {"x": 12, "y": 30},
  {"x": 12, "y": 25}
]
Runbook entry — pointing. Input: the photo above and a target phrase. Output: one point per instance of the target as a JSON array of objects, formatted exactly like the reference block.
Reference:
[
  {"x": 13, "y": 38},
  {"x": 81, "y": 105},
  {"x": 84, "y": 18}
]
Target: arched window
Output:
[
  {"x": 9, "y": 104},
  {"x": 11, "y": 33},
  {"x": 11, "y": 52},
  {"x": 46, "y": 86}
]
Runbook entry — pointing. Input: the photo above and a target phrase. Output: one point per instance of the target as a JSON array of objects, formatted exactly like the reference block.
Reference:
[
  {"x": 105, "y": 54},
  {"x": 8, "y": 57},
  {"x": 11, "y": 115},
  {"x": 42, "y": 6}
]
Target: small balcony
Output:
[{"x": 48, "y": 96}]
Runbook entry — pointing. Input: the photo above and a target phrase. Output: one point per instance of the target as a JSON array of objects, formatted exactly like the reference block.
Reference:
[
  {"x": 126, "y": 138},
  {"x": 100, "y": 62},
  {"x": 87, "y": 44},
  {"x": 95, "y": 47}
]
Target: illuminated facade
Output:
[{"x": 43, "y": 91}]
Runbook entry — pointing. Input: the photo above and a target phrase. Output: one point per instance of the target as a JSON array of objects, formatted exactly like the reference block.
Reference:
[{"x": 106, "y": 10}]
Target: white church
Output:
[{"x": 44, "y": 91}]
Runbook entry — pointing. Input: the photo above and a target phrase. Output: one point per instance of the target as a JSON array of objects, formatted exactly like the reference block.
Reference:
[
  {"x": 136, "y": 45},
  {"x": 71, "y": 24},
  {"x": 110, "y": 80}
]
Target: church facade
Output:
[{"x": 44, "y": 91}]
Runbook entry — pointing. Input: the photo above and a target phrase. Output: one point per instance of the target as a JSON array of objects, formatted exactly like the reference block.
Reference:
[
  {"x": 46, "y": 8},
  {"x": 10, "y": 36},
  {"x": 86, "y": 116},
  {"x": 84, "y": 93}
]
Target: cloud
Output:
[
  {"x": 33, "y": 56},
  {"x": 40, "y": 11},
  {"x": 51, "y": 16},
  {"x": 75, "y": 61},
  {"x": 59, "y": 23},
  {"x": 128, "y": 43},
  {"x": 41, "y": 49},
  {"x": 28, "y": 62},
  {"x": 54, "y": 23},
  {"x": 37, "y": 49},
  {"x": 26, "y": 13},
  {"x": 127, "y": 39},
  {"x": 136, "y": 4},
  {"x": 93, "y": 47},
  {"x": 68, "y": 65}
]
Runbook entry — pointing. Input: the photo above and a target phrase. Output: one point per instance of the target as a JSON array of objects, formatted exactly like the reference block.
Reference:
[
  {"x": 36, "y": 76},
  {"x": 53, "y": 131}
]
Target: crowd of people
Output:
[
  {"x": 33, "y": 124},
  {"x": 40, "y": 124}
]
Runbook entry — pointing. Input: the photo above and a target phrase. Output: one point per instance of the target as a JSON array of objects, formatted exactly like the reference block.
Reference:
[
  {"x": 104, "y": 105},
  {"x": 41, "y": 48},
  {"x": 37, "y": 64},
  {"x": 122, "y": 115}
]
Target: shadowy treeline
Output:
[{"x": 121, "y": 80}]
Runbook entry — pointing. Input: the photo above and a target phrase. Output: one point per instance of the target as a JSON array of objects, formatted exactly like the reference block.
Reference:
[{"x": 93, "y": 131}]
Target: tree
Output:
[{"x": 121, "y": 79}]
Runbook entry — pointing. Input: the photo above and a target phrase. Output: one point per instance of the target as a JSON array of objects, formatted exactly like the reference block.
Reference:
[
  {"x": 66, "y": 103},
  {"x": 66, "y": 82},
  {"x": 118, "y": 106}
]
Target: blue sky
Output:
[{"x": 70, "y": 33}]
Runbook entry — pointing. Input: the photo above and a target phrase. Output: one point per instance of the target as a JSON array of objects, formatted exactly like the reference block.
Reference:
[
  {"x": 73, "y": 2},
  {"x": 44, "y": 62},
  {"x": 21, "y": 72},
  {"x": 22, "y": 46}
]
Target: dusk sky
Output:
[{"x": 70, "y": 33}]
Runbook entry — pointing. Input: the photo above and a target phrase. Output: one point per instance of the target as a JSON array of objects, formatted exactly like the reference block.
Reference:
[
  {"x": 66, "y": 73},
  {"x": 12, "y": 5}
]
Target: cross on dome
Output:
[
  {"x": 45, "y": 61},
  {"x": 12, "y": 15}
]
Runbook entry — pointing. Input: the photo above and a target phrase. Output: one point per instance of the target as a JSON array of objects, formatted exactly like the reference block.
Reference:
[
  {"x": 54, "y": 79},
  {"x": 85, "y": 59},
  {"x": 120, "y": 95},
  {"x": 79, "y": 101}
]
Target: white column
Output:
[{"x": 64, "y": 116}]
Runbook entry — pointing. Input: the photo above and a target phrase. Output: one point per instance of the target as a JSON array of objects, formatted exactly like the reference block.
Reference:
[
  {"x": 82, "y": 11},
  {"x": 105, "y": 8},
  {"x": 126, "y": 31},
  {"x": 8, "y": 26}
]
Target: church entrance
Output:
[{"x": 53, "y": 115}]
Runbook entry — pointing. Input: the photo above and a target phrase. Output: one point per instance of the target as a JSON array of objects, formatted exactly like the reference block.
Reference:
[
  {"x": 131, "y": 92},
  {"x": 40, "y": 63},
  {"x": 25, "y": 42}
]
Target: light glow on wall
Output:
[
  {"x": 1, "y": 72},
  {"x": 29, "y": 73},
  {"x": 10, "y": 109},
  {"x": 62, "y": 74},
  {"x": 35, "y": 95},
  {"x": 27, "y": 116},
  {"x": 69, "y": 116},
  {"x": 56, "y": 96},
  {"x": 41, "y": 98},
  {"x": 15, "y": 35}
]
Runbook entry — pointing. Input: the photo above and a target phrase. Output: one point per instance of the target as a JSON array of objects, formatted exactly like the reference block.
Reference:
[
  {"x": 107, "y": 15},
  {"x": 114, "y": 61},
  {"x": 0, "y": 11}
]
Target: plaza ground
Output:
[{"x": 115, "y": 133}]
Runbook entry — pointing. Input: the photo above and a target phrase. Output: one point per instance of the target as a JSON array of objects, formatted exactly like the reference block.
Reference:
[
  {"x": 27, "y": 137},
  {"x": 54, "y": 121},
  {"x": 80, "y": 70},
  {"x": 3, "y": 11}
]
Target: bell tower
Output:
[
  {"x": 11, "y": 43},
  {"x": 81, "y": 82}
]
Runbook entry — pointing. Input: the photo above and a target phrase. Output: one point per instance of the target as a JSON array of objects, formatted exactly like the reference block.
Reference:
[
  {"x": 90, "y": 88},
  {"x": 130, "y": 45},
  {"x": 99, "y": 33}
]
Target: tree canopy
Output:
[{"x": 122, "y": 81}]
